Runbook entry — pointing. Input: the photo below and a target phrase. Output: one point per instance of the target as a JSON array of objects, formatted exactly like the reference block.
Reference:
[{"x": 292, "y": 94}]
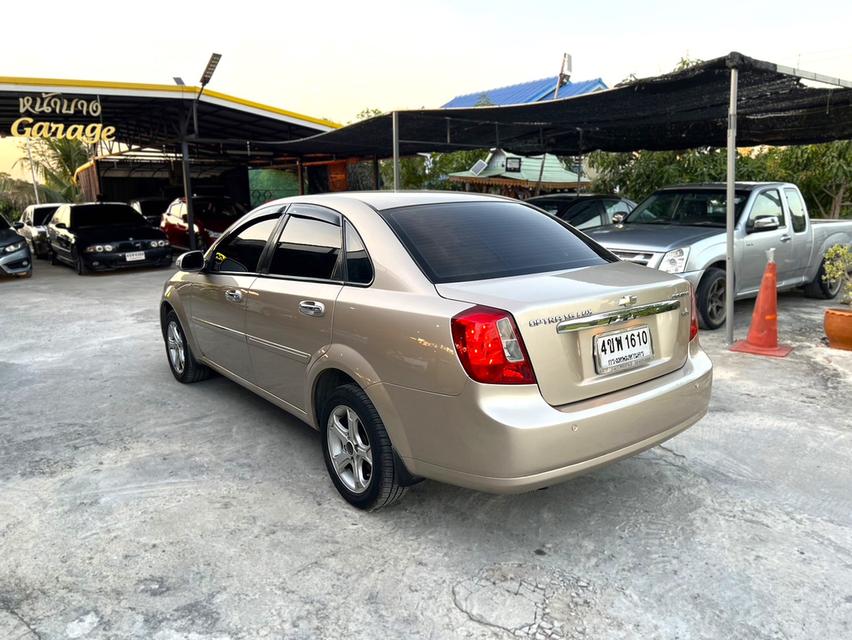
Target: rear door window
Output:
[{"x": 463, "y": 241}]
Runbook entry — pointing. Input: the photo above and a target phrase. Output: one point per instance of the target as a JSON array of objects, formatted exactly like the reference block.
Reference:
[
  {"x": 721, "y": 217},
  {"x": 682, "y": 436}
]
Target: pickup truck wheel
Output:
[
  {"x": 357, "y": 450},
  {"x": 819, "y": 288},
  {"x": 185, "y": 368},
  {"x": 710, "y": 298}
]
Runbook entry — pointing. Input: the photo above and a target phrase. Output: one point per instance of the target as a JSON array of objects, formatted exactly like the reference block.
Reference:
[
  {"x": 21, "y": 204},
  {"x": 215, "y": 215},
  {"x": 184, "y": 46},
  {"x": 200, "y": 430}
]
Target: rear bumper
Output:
[
  {"x": 16, "y": 263},
  {"x": 108, "y": 261},
  {"x": 509, "y": 440}
]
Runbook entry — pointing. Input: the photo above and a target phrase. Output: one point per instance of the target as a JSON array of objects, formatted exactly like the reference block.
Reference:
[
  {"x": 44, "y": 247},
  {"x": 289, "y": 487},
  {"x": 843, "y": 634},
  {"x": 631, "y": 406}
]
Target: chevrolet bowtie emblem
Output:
[{"x": 626, "y": 301}]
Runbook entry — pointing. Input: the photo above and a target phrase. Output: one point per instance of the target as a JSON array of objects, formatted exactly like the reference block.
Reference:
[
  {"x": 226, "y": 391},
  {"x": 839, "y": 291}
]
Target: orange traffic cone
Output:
[{"x": 763, "y": 334}]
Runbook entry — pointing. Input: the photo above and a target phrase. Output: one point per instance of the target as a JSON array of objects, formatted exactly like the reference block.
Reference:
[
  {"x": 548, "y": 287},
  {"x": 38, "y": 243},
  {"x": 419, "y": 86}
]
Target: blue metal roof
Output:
[{"x": 526, "y": 92}]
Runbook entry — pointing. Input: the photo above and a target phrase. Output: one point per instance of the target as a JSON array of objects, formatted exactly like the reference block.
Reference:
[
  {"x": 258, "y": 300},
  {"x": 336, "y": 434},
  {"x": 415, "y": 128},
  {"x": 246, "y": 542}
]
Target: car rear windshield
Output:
[
  {"x": 698, "y": 208},
  {"x": 465, "y": 241},
  {"x": 103, "y": 215},
  {"x": 42, "y": 214}
]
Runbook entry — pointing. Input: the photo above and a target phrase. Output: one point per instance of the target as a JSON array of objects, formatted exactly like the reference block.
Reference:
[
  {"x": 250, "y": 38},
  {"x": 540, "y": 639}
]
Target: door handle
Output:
[
  {"x": 234, "y": 295},
  {"x": 785, "y": 238},
  {"x": 311, "y": 308}
]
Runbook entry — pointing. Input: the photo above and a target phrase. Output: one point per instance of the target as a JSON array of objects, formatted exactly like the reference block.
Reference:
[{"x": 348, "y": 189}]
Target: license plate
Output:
[
  {"x": 619, "y": 350},
  {"x": 134, "y": 256}
]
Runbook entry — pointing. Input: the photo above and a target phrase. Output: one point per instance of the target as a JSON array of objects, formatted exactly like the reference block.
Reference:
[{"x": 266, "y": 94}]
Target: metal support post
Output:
[
  {"x": 730, "y": 208},
  {"x": 395, "y": 120}
]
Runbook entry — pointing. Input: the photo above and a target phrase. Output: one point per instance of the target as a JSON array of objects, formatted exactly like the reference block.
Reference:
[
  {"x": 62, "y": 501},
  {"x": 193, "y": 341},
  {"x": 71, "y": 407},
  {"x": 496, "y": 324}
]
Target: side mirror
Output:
[
  {"x": 618, "y": 218},
  {"x": 61, "y": 225},
  {"x": 767, "y": 223},
  {"x": 190, "y": 261},
  {"x": 18, "y": 225}
]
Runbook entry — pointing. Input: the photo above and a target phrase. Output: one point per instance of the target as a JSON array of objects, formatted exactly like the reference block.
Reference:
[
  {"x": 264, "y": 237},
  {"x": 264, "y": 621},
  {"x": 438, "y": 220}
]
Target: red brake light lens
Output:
[
  {"x": 490, "y": 347},
  {"x": 693, "y": 315}
]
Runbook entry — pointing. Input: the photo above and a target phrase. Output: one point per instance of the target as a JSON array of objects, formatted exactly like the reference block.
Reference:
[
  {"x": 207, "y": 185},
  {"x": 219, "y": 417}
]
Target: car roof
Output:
[
  {"x": 739, "y": 186},
  {"x": 381, "y": 200},
  {"x": 575, "y": 196}
]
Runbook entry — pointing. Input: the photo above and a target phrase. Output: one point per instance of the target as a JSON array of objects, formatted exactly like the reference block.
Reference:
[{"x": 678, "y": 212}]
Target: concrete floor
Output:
[{"x": 135, "y": 507}]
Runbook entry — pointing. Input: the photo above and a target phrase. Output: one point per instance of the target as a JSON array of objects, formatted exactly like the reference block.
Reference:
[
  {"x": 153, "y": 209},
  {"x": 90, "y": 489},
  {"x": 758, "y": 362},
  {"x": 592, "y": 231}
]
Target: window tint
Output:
[
  {"x": 797, "y": 210},
  {"x": 479, "y": 240},
  {"x": 240, "y": 252},
  {"x": 40, "y": 215},
  {"x": 767, "y": 204},
  {"x": 695, "y": 208},
  {"x": 584, "y": 215},
  {"x": 308, "y": 248},
  {"x": 358, "y": 267}
]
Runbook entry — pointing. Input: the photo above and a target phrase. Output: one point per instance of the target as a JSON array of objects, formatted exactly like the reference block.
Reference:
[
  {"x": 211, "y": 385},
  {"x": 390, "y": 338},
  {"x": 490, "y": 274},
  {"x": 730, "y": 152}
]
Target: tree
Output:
[
  {"x": 16, "y": 195},
  {"x": 54, "y": 162}
]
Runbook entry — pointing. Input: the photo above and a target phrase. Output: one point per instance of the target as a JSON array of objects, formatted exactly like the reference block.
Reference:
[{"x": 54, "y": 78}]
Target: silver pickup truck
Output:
[{"x": 682, "y": 230}]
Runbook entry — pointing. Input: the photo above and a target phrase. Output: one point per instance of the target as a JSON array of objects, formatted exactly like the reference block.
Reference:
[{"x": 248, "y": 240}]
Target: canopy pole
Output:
[
  {"x": 375, "y": 173},
  {"x": 395, "y": 125},
  {"x": 187, "y": 191},
  {"x": 729, "y": 209}
]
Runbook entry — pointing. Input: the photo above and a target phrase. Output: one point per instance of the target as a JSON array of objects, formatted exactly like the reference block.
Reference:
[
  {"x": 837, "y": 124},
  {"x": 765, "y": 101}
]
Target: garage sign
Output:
[{"x": 38, "y": 115}]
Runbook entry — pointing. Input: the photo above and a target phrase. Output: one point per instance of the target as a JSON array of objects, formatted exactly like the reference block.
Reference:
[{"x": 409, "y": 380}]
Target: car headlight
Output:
[
  {"x": 15, "y": 246},
  {"x": 107, "y": 247},
  {"x": 162, "y": 243},
  {"x": 155, "y": 244},
  {"x": 675, "y": 261},
  {"x": 95, "y": 248}
]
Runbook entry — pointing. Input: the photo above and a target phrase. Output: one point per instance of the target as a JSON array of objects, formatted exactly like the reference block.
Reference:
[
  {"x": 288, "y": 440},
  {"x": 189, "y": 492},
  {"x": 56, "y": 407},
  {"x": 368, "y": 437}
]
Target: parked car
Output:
[
  {"x": 465, "y": 338},
  {"x": 586, "y": 210},
  {"x": 104, "y": 236},
  {"x": 33, "y": 227},
  {"x": 152, "y": 209},
  {"x": 681, "y": 230},
  {"x": 15, "y": 256},
  {"x": 212, "y": 216}
]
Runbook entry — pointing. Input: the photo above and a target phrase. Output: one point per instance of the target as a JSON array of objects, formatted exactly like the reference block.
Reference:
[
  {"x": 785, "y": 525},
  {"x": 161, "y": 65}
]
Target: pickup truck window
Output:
[
  {"x": 701, "y": 208},
  {"x": 797, "y": 210},
  {"x": 767, "y": 204}
]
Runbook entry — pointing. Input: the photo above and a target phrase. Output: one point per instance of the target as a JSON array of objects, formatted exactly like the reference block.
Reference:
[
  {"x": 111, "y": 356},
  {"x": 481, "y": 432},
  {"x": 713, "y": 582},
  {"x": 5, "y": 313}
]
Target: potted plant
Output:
[{"x": 838, "y": 321}]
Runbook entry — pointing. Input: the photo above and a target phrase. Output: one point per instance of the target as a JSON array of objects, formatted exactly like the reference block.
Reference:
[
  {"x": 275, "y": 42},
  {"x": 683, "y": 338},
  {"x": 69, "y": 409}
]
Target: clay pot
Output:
[{"x": 838, "y": 328}]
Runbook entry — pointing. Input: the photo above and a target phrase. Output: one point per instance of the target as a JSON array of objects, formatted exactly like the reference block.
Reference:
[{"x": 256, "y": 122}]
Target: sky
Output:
[{"x": 332, "y": 59}]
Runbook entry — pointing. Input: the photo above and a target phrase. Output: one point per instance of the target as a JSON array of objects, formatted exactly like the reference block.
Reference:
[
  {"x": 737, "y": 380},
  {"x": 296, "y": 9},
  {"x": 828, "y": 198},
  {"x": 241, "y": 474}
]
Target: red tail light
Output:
[
  {"x": 490, "y": 347},
  {"x": 693, "y": 315}
]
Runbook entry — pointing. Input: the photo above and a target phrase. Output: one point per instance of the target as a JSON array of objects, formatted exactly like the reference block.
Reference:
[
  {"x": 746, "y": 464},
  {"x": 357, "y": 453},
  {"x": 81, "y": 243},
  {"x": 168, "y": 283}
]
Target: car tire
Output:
[
  {"x": 710, "y": 299},
  {"x": 184, "y": 367},
  {"x": 819, "y": 288},
  {"x": 80, "y": 266},
  {"x": 350, "y": 445},
  {"x": 53, "y": 259}
]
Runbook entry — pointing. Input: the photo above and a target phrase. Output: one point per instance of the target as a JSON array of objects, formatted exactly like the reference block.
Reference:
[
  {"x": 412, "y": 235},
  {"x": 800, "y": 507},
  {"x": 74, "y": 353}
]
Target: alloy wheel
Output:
[
  {"x": 716, "y": 302},
  {"x": 349, "y": 449},
  {"x": 177, "y": 350}
]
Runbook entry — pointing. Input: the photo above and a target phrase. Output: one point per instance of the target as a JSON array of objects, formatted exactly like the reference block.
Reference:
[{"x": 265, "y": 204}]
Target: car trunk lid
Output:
[{"x": 559, "y": 315}]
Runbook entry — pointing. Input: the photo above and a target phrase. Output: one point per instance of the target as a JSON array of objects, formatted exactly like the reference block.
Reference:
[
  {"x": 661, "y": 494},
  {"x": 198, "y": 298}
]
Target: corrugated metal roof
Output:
[
  {"x": 554, "y": 171},
  {"x": 525, "y": 92}
]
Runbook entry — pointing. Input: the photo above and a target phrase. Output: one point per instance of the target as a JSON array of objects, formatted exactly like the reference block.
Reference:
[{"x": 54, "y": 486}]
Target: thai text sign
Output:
[{"x": 41, "y": 108}]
